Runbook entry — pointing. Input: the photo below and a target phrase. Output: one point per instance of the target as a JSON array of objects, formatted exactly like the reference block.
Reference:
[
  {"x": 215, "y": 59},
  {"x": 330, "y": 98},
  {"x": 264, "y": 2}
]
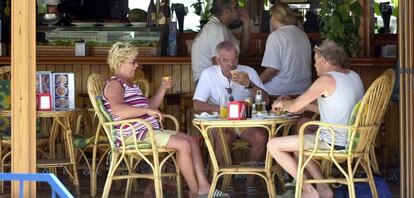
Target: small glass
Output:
[
  {"x": 223, "y": 107},
  {"x": 263, "y": 107}
]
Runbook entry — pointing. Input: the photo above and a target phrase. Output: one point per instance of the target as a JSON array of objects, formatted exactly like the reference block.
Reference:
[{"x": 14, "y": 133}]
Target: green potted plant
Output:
[
  {"x": 341, "y": 20},
  {"x": 202, "y": 8}
]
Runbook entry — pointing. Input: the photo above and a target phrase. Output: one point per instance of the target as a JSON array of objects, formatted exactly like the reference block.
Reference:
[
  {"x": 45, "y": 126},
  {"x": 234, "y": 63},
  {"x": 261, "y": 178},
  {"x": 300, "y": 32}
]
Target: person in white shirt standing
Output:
[
  {"x": 287, "y": 57},
  {"x": 215, "y": 81},
  {"x": 225, "y": 13}
]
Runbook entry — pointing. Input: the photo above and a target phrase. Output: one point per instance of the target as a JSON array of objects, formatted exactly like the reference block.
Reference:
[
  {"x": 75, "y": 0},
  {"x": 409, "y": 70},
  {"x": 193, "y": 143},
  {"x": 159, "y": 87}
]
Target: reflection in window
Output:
[{"x": 191, "y": 20}]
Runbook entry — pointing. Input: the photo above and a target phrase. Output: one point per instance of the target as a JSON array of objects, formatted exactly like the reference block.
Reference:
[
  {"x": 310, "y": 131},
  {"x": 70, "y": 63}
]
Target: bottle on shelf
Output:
[
  {"x": 151, "y": 14},
  {"x": 172, "y": 36},
  {"x": 164, "y": 13}
]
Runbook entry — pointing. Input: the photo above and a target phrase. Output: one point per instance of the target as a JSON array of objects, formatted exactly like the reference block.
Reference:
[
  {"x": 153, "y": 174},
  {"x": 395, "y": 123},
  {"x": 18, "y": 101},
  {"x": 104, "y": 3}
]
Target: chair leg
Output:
[
  {"x": 279, "y": 173},
  {"x": 179, "y": 184},
  {"x": 373, "y": 160},
  {"x": 213, "y": 184},
  {"x": 270, "y": 183},
  {"x": 350, "y": 180},
  {"x": 370, "y": 178},
  {"x": 299, "y": 176},
  {"x": 129, "y": 180},
  {"x": 111, "y": 171},
  {"x": 158, "y": 187}
]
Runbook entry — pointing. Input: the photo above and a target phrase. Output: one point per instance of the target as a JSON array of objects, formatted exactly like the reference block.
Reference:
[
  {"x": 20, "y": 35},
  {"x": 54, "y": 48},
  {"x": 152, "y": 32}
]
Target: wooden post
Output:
[
  {"x": 23, "y": 69},
  {"x": 366, "y": 28},
  {"x": 406, "y": 59}
]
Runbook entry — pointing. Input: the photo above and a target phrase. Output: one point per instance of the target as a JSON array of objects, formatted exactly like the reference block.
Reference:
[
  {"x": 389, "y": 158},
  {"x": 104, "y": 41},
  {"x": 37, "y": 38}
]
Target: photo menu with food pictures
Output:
[
  {"x": 43, "y": 82},
  {"x": 63, "y": 90}
]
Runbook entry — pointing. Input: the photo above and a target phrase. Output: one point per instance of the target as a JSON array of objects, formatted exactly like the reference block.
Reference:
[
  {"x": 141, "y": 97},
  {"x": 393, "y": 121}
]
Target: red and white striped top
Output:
[{"x": 132, "y": 96}]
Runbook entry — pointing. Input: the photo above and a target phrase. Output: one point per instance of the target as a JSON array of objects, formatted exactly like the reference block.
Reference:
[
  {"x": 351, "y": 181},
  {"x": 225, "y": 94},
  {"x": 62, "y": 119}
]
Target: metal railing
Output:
[{"x": 57, "y": 186}]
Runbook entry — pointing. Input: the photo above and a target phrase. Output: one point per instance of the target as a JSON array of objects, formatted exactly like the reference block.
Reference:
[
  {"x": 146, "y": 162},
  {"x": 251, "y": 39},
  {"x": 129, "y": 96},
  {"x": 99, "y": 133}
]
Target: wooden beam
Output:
[
  {"x": 406, "y": 58},
  {"x": 366, "y": 30},
  {"x": 23, "y": 61}
]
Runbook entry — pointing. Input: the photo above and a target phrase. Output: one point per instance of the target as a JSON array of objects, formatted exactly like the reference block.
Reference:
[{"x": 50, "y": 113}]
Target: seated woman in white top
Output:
[{"x": 337, "y": 90}]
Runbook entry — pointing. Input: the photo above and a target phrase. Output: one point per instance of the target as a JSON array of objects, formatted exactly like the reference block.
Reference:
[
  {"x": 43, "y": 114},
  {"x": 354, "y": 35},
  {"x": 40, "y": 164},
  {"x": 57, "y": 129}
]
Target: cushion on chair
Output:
[
  {"x": 82, "y": 142},
  {"x": 5, "y": 104},
  {"x": 351, "y": 121}
]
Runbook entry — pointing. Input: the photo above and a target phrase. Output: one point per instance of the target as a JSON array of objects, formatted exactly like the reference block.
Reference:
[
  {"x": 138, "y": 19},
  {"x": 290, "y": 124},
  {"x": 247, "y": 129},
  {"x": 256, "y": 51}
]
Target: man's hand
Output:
[
  {"x": 244, "y": 17},
  {"x": 277, "y": 105},
  {"x": 242, "y": 78}
]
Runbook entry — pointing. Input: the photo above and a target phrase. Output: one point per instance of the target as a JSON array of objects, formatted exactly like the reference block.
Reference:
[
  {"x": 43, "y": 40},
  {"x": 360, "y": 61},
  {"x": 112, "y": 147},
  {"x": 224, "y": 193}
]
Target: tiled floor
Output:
[{"x": 117, "y": 189}]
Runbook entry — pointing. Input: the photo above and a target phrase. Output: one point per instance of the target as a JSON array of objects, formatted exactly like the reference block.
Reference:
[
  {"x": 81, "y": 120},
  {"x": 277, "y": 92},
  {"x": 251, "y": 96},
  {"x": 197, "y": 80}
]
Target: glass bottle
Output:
[
  {"x": 172, "y": 36},
  {"x": 151, "y": 14},
  {"x": 258, "y": 101}
]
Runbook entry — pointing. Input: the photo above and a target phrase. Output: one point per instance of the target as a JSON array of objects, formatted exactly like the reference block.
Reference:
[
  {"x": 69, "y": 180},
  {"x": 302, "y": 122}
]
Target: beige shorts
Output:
[
  {"x": 161, "y": 137},
  {"x": 309, "y": 143}
]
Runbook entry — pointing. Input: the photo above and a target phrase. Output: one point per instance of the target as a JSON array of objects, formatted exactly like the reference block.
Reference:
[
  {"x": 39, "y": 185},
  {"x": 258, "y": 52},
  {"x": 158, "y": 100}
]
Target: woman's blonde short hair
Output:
[
  {"x": 283, "y": 13},
  {"x": 119, "y": 52}
]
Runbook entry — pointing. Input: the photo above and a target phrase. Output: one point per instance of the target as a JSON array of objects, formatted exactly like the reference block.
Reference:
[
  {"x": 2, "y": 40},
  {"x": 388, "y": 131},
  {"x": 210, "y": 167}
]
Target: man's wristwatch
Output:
[{"x": 250, "y": 85}]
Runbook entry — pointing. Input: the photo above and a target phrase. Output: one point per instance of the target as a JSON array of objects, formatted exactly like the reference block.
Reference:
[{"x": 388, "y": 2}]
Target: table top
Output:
[{"x": 246, "y": 122}]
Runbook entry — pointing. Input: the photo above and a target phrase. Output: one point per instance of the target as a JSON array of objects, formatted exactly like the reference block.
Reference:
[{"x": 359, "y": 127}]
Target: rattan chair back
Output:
[
  {"x": 5, "y": 72},
  {"x": 371, "y": 112}
]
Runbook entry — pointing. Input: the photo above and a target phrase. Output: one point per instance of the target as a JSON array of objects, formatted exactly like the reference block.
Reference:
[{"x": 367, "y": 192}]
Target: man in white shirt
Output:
[
  {"x": 214, "y": 82},
  {"x": 225, "y": 13},
  {"x": 287, "y": 58}
]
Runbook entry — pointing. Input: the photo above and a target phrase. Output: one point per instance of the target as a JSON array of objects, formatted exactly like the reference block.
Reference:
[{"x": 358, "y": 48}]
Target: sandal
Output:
[
  {"x": 230, "y": 190},
  {"x": 287, "y": 194},
  {"x": 216, "y": 193}
]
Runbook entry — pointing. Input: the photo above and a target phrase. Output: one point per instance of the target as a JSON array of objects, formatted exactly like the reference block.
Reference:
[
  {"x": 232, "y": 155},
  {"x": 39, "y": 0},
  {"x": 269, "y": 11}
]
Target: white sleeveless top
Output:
[{"x": 337, "y": 108}]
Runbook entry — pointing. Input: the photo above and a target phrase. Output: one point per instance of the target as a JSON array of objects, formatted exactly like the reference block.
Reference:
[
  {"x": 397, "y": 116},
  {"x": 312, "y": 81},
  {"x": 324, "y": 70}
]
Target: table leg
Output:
[
  {"x": 268, "y": 166},
  {"x": 71, "y": 152},
  {"x": 227, "y": 158}
]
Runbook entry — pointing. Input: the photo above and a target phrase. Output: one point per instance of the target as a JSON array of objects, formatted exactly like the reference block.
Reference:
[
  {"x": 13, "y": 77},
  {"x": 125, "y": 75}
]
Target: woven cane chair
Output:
[
  {"x": 131, "y": 155},
  {"x": 326, "y": 165},
  {"x": 361, "y": 136},
  {"x": 5, "y": 140},
  {"x": 391, "y": 74},
  {"x": 98, "y": 143}
]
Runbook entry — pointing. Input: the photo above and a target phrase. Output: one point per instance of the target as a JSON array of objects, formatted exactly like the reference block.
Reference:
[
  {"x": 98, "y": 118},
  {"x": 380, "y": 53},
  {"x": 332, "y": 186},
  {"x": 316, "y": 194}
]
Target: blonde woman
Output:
[
  {"x": 288, "y": 55},
  {"x": 124, "y": 100}
]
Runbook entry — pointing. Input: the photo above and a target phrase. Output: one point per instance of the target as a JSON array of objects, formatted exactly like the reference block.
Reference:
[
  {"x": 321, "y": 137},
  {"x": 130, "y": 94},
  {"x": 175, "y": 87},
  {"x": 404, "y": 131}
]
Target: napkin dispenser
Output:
[
  {"x": 236, "y": 110},
  {"x": 44, "y": 102}
]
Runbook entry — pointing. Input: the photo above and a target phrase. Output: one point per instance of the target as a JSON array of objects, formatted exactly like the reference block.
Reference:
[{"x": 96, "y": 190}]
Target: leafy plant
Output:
[
  {"x": 341, "y": 20},
  {"x": 202, "y": 8}
]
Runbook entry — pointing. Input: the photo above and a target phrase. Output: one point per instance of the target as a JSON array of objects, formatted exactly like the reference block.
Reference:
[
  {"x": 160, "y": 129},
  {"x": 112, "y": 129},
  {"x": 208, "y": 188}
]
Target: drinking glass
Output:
[{"x": 223, "y": 106}]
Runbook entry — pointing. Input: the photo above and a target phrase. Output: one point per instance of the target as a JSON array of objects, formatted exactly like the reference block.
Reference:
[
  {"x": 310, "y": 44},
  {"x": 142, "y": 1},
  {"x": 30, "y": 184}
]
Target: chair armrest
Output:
[
  {"x": 173, "y": 119},
  {"x": 328, "y": 126},
  {"x": 129, "y": 123}
]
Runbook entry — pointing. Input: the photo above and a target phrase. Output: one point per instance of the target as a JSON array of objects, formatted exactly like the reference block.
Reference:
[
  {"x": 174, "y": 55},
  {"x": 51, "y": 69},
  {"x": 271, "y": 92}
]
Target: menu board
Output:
[
  {"x": 43, "y": 82},
  {"x": 63, "y": 90}
]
